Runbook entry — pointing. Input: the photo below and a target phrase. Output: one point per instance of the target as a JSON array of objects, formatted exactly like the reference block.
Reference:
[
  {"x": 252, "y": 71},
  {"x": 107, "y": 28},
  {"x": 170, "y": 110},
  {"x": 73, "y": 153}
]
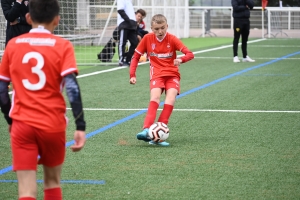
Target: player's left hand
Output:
[
  {"x": 177, "y": 61},
  {"x": 79, "y": 137}
]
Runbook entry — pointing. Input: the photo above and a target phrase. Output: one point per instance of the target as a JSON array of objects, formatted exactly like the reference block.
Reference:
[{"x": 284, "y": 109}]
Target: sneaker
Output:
[
  {"x": 163, "y": 144},
  {"x": 236, "y": 59},
  {"x": 143, "y": 135},
  {"x": 248, "y": 59},
  {"x": 124, "y": 64}
]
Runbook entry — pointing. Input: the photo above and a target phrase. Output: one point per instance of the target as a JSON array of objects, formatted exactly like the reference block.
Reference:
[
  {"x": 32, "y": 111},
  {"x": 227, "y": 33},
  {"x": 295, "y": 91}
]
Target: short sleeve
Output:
[
  {"x": 178, "y": 43},
  {"x": 120, "y": 5},
  {"x": 68, "y": 62},
  {"x": 4, "y": 67},
  {"x": 142, "y": 46}
]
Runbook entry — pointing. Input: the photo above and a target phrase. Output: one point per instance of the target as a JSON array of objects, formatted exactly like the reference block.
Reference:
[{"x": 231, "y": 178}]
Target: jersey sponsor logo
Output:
[
  {"x": 237, "y": 29},
  {"x": 37, "y": 41},
  {"x": 162, "y": 55},
  {"x": 168, "y": 45}
]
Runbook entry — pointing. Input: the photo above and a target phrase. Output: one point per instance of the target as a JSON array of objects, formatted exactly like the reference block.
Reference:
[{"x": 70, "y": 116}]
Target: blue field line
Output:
[
  {"x": 8, "y": 169},
  {"x": 108, "y": 126},
  {"x": 267, "y": 74},
  {"x": 93, "y": 182},
  {"x": 236, "y": 74}
]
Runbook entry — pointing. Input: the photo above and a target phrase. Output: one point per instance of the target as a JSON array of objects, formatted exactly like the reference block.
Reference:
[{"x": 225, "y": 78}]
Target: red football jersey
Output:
[
  {"x": 161, "y": 54},
  {"x": 36, "y": 63},
  {"x": 142, "y": 25}
]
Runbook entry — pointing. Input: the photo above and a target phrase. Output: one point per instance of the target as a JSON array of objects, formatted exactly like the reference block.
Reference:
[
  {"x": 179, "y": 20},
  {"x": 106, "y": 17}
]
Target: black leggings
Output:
[
  {"x": 131, "y": 35},
  {"x": 241, "y": 27}
]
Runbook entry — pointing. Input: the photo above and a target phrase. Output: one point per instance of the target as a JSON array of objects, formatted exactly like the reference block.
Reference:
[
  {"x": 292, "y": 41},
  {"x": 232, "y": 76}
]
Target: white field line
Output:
[
  {"x": 194, "y": 110},
  {"x": 196, "y": 52},
  {"x": 281, "y": 46},
  {"x": 118, "y": 68},
  {"x": 206, "y": 57}
]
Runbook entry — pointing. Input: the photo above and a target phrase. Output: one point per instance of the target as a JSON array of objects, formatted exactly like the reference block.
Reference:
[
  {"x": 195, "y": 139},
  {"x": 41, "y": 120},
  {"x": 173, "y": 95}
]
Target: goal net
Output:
[{"x": 89, "y": 24}]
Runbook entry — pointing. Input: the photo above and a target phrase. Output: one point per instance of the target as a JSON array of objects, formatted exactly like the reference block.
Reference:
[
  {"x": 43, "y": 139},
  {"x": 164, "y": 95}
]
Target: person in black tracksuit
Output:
[
  {"x": 127, "y": 26},
  {"x": 14, "y": 12},
  {"x": 108, "y": 51},
  {"x": 241, "y": 15}
]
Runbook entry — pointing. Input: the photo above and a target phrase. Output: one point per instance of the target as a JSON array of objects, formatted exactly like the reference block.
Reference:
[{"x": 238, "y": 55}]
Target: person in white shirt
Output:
[{"x": 127, "y": 26}]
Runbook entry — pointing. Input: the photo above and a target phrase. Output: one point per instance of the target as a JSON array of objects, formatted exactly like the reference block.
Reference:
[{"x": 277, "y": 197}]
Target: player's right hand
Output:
[
  {"x": 177, "y": 61},
  {"x": 79, "y": 138},
  {"x": 132, "y": 80},
  {"x": 13, "y": 23}
]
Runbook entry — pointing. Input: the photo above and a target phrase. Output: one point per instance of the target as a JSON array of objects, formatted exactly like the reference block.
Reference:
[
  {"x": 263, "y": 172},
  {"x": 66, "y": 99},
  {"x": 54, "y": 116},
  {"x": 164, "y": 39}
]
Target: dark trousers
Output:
[
  {"x": 131, "y": 35},
  {"x": 240, "y": 27}
]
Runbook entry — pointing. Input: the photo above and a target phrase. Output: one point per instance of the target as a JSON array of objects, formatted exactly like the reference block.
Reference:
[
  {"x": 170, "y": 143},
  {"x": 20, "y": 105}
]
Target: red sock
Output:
[
  {"x": 53, "y": 194},
  {"x": 151, "y": 114},
  {"x": 27, "y": 198},
  {"x": 165, "y": 114}
]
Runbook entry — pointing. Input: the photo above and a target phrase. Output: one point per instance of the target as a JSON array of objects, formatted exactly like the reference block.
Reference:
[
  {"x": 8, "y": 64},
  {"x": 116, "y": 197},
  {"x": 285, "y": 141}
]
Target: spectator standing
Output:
[
  {"x": 127, "y": 26},
  {"x": 241, "y": 27},
  {"x": 40, "y": 64},
  {"x": 161, "y": 48},
  {"x": 14, "y": 12}
]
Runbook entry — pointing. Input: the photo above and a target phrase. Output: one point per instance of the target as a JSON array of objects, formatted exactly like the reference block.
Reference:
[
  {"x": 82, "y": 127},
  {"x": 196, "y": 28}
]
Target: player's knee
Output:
[{"x": 155, "y": 99}]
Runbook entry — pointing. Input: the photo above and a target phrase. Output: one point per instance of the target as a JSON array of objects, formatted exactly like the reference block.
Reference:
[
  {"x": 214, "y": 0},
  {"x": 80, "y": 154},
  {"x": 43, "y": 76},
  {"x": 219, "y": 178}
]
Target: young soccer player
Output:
[
  {"x": 40, "y": 64},
  {"x": 161, "y": 48}
]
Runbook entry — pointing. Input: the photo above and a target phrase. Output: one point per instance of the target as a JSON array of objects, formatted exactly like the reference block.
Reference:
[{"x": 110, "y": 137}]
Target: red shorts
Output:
[
  {"x": 27, "y": 143},
  {"x": 166, "y": 83}
]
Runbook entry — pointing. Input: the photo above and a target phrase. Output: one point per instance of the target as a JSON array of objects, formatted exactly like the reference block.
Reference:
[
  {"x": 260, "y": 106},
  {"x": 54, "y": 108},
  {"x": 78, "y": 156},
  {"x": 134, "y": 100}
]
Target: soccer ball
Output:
[{"x": 158, "y": 132}]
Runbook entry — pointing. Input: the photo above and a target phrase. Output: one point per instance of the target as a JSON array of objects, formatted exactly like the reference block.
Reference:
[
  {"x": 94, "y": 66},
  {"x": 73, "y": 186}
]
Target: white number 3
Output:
[{"x": 35, "y": 70}]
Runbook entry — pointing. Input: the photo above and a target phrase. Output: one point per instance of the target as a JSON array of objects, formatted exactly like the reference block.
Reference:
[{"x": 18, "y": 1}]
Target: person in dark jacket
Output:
[
  {"x": 14, "y": 12},
  {"x": 127, "y": 26},
  {"x": 140, "y": 14},
  {"x": 241, "y": 26},
  {"x": 107, "y": 53}
]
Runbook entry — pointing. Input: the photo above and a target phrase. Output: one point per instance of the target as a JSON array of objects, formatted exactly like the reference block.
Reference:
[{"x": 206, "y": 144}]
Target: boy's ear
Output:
[
  {"x": 28, "y": 18},
  {"x": 56, "y": 20}
]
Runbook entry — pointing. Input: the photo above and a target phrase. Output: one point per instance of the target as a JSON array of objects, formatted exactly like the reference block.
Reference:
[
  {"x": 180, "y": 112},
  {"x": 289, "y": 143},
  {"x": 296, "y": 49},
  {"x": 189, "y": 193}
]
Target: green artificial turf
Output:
[{"x": 234, "y": 132}]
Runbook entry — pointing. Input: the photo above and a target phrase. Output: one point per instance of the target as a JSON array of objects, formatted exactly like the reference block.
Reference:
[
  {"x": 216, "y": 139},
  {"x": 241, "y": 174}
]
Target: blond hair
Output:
[{"x": 158, "y": 19}]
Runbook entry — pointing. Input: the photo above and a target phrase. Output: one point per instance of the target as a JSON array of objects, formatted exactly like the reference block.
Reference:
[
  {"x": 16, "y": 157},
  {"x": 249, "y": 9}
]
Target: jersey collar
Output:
[
  {"x": 162, "y": 39},
  {"x": 39, "y": 29}
]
